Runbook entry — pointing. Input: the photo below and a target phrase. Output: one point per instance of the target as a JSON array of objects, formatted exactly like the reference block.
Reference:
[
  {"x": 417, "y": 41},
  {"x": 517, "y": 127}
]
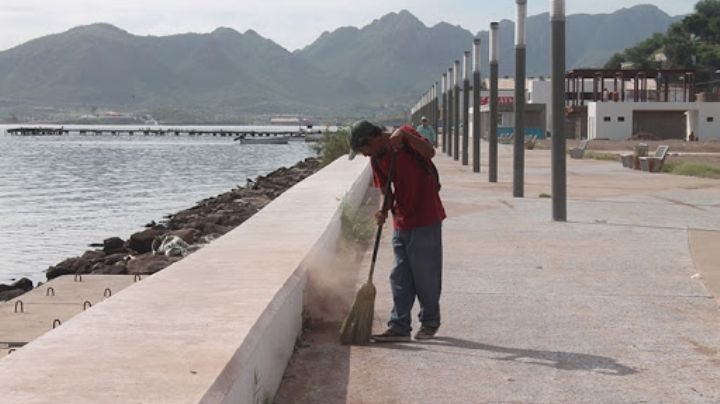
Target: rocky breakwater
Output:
[{"x": 160, "y": 244}]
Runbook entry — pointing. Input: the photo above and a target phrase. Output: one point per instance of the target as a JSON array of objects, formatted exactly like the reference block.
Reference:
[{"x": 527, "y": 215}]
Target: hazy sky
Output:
[{"x": 291, "y": 23}]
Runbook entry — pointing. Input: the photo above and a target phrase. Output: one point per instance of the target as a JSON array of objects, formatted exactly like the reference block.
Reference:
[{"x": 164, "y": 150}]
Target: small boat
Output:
[{"x": 263, "y": 139}]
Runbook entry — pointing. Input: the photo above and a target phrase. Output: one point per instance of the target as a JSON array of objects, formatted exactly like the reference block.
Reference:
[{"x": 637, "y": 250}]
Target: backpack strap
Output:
[
  {"x": 386, "y": 180},
  {"x": 426, "y": 164}
]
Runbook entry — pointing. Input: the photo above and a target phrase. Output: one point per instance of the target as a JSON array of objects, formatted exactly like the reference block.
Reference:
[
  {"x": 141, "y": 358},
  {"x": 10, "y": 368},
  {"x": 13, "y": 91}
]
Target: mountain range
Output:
[{"x": 349, "y": 72}]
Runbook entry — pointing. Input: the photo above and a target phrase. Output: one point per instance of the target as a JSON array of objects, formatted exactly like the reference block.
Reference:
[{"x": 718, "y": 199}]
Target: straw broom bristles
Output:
[{"x": 357, "y": 327}]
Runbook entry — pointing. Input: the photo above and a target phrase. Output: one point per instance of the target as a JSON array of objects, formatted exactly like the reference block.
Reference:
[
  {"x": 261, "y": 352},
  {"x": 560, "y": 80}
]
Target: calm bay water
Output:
[{"x": 60, "y": 193}]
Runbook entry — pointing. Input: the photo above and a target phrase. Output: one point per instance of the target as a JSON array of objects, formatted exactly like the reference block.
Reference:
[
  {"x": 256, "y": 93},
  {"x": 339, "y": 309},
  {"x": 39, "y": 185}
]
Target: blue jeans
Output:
[{"x": 417, "y": 272}]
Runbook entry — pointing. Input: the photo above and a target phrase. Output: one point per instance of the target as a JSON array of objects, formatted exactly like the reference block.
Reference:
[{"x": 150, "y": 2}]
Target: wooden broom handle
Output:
[{"x": 385, "y": 208}]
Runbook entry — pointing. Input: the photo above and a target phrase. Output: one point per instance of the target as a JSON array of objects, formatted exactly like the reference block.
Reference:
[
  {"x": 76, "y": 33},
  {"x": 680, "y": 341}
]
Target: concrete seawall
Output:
[{"x": 216, "y": 327}]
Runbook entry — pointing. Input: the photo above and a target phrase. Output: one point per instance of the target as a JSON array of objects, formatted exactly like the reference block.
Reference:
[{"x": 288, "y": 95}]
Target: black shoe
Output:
[
  {"x": 391, "y": 335},
  {"x": 426, "y": 332}
]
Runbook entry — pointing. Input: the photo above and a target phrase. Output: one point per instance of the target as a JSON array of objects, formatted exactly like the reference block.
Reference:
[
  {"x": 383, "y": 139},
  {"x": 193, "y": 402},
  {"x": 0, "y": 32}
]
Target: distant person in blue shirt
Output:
[{"x": 427, "y": 131}]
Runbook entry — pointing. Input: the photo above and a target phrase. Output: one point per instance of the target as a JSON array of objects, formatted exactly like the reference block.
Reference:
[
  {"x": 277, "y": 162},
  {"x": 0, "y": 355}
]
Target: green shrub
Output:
[
  {"x": 692, "y": 169},
  {"x": 356, "y": 227},
  {"x": 332, "y": 146},
  {"x": 601, "y": 156}
]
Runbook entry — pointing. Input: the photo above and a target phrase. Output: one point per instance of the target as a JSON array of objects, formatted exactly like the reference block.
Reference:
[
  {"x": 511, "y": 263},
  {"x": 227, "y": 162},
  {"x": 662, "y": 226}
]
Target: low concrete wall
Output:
[{"x": 216, "y": 327}]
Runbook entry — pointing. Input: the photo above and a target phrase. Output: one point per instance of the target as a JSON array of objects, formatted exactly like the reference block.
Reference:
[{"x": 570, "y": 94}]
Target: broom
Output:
[{"x": 357, "y": 327}]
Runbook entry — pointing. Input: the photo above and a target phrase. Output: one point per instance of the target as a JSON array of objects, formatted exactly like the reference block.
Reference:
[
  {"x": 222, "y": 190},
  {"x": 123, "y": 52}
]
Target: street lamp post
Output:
[
  {"x": 492, "y": 136},
  {"x": 436, "y": 109},
  {"x": 451, "y": 109},
  {"x": 476, "y": 105},
  {"x": 456, "y": 110},
  {"x": 443, "y": 87},
  {"x": 519, "y": 146},
  {"x": 559, "y": 169},
  {"x": 466, "y": 110}
]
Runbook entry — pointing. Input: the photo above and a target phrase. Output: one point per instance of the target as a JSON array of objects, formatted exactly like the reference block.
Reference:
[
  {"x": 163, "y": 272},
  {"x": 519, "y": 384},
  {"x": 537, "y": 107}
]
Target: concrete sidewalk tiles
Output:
[{"x": 604, "y": 308}]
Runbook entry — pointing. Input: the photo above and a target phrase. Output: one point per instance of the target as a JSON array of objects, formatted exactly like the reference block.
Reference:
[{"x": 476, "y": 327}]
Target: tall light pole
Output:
[
  {"x": 519, "y": 146},
  {"x": 476, "y": 105},
  {"x": 436, "y": 109},
  {"x": 444, "y": 87},
  {"x": 451, "y": 109},
  {"x": 466, "y": 110},
  {"x": 559, "y": 168},
  {"x": 492, "y": 136},
  {"x": 456, "y": 110}
]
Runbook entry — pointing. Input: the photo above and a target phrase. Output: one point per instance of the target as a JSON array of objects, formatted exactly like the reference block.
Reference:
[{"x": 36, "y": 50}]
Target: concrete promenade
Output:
[
  {"x": 38, "y": 311},
  {"x": 605, "y": 308},
  {"x": 217, "y": 327}
]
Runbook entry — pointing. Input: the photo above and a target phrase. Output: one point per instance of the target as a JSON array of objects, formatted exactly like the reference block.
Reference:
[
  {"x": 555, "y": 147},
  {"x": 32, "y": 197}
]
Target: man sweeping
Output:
[{"x": 417, "y": 219}]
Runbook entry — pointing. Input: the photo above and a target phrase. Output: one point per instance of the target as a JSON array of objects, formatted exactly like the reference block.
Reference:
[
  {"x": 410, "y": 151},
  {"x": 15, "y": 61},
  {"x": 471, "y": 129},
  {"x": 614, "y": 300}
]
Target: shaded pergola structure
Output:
[
  {"x": 583, "y": 86},
  {"x": 628, "y": 85}
]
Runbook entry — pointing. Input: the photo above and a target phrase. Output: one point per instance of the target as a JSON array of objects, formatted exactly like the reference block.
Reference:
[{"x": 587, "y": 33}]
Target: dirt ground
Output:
[
  {"x": 705, "y": 159},
  {"x": 712, "y": 146},
  {"x": 694, "y": 152},
  {"x": 319, "y": 369}
]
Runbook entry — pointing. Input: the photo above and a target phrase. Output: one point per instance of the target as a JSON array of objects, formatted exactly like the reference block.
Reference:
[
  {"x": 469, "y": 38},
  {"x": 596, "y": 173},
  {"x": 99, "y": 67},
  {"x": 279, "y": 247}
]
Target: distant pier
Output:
[{"x": 299, "y": 134}]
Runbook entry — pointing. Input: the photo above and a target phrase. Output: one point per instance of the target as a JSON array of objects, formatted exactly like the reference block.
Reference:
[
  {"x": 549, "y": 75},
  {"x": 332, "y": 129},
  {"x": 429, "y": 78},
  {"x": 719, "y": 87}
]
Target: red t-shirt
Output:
[{"x": 417, "y": 202}]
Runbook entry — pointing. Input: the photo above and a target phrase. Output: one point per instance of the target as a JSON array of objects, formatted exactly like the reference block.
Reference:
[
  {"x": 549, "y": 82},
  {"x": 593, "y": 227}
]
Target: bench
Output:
[
  {"x": 627, "y": 160},
  {"x": 654, "y": 163},
  {"x": 579, "y": 152},
  {"x": 530, "y": 141},
  {"x": 506, "y": 138},
  {"x": 632, "y": 160}
]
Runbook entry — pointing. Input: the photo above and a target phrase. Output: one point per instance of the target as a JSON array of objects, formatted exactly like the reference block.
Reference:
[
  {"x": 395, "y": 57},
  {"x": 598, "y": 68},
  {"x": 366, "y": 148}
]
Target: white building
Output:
[
  {"x": 620, "y": 120},
  {"x": 540, "y": 92},
  {"x": 615, "y": 106}
]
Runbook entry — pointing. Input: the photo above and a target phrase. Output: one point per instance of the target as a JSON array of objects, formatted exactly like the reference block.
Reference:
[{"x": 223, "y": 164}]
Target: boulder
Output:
[
  {"x": 197, "y": 224},
  {"x": 10, "y": 294},
  {"x": 112, "y": 259},
  {"x": 256, "y": 202},
  {"x": 93, "y": 255},
  {"x": 209, "y": 228},
  {"x": 187, "y": 235},
  {"x": 113, "y": 244},
  {"x": 215, "y": 218},
  {"x": 148, "y": 263},
  {"x": 141, "y": 242},
  {"x": 69, "y": 266},
  {"x": 106, "y": 269},
  {"x": 23, "y": 284},
  {"x": 234, "y": 220},
  {"x": 208, "y": 238}
]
